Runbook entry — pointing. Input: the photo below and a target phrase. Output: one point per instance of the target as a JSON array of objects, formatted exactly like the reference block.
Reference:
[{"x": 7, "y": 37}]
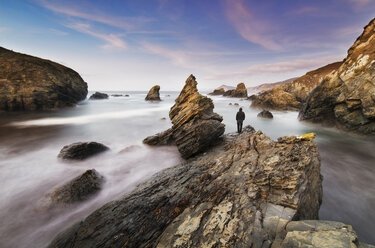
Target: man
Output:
[{"x": 240, "y": 117}]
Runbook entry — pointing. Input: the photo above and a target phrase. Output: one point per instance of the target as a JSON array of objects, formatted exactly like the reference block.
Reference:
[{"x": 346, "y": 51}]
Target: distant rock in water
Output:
[
  {"x": 265, "y": 114},
  {"x": 291, "y": 95},
  {"x": 217, "y": 92},
  {"x": 98, "y": 96},
  {"x": 153, "y": 94},
  {"x": 116, "y": 95},
  {"x": 240, "y": 193},
  {"x": 240, "y": 91},
  {"x": 346, "y": 98},
  {"x": 81, "y": 150},
  {"x": 195, "y": 126},
  {"x": 78, "y": 189},
  {"x": 29, "y": 83}
]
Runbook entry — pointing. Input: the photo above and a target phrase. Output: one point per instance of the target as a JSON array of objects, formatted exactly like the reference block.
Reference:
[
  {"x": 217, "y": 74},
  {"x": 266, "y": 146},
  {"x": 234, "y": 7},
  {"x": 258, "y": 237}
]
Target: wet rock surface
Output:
[
  {"x": 240, "y": 193},
  {"x": 240, "y": 91},
  {"x": 153, "y": 94},
  {"x": 195, "y": 125},
  {"x": 29, "y": 83},
  {"x": 81, "y": 150},
  {"x": 346, "y": 98},
  {"x": 98, "y": 96},
  {"x": 265, "y": 114}
]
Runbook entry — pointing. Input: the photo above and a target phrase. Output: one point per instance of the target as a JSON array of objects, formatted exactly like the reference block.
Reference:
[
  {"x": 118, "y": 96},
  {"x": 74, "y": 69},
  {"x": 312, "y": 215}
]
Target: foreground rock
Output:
[
  {"x": 240, "y": 91},
  {"x": 346, "y": 98},
  {"x": 31, "y": 83},
  {"x": 153, "y": 94},
  {"x": 78, "y": 189},
  {"x": 81, "y": 150},
  {"x": 291, "y": 95},
  {"x": 265, "y": 114},
  {"x": 241, "y": 193},
  {"x": 98, "y": 96},
  {"x": 195, "y": 126}
]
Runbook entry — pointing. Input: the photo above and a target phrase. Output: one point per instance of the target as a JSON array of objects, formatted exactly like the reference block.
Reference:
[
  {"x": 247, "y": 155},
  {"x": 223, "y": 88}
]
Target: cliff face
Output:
[
  {"x": 31, "y": 83},
  {"x": 346, "y": 98},
  {"x": 291, "y": 96}
]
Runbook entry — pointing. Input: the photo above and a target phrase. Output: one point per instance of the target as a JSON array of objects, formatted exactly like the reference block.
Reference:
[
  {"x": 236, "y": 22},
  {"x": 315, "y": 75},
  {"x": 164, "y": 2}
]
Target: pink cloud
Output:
[{"x": 360, "y": 3}]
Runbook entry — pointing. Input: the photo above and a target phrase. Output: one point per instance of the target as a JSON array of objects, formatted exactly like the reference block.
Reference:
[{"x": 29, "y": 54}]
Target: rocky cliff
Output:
[
  {"x": 31, "y": 83},
  {"x": 346, "y": 97},
  {"x": 240, "y": 193},
  {"x": 291, "y": 95}
]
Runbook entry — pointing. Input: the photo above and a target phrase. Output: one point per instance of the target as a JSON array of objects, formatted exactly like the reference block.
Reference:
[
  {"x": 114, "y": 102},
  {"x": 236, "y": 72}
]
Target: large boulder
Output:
[
  {"x": 195, "y": 126},
  {"x": 31, "y": 83},
  {"x": 153, "y": 94},
  {"x": 240, "y": 91},
  {"x": 81, "y": 150},
  {"x": 241, "y": 193},
  {"x": 98, "y": 96},
  {"x": 265, "y": 114},
  {"x": 346, "y": 97}
]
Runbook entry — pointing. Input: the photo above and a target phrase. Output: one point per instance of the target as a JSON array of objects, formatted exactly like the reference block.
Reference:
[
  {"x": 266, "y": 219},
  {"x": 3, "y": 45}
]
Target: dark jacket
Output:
[{"x": 240, "y": 116}]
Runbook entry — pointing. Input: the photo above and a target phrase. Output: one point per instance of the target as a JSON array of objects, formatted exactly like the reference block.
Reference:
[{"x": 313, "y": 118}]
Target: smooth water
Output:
[{"x": 29, "y": 168}]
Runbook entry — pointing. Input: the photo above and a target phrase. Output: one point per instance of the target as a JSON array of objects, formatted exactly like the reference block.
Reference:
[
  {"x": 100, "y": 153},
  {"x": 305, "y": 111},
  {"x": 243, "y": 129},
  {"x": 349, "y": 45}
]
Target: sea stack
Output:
[
  {"x": 29, "y": 83},
  {"x": 240, "y": 91},
  {"x": 153, "y": 94},
  {"x": 195, "y": 126},
  {"x": 346, "y": 98}
]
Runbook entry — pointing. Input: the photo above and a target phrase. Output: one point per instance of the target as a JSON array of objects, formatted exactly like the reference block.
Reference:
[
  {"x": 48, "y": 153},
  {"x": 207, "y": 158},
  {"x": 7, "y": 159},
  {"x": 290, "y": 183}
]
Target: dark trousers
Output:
[{"x": 239, "y": 126}]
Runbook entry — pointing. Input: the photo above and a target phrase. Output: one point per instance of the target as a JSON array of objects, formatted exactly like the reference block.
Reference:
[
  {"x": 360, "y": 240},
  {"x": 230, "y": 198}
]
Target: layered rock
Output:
[
  {"x": 195, "y": 125},
  {"x": 31, "y": 83},
  {"x": 346, "y": 98},
  {"x": 98, "y": 96},
  {"x": 291, "y": 95},
  {"x": 217, "y": 92},
  {"x": 153, "y": 94},
  {"x": 81, "y": 150},
  {"x": 265, "y": 114},
  {"x": 240, "y": 91},
  {"x": 241, "y": 193}
]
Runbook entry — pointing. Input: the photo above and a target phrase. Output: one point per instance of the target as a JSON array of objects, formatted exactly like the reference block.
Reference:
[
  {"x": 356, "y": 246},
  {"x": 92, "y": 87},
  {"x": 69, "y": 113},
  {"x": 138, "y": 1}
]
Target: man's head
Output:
[{"x": 240, "y": 109}]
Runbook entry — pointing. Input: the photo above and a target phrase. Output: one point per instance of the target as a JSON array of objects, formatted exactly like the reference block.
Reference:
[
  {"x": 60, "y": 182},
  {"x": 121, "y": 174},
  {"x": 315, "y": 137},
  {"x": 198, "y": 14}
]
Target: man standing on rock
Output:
[{"x": 240, "y": 117}]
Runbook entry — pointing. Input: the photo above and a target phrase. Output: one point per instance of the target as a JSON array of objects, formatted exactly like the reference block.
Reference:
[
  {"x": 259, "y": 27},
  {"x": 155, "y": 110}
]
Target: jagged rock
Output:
[
  {"x": 153, "y": 94},
  {"x": 161, "y": 139},
  {"x": 346, "y": 98},
  {"x": 78, "y": 189},
  {"x": 240, "y": 91},
  {"x": 98, "y": 96},
  {"x": 195, "y": 125},
  {"x": 31, "y": 83},
  {"x": 241, "y": 193},
  {"x": 81, "y": 150},
  {"x": 265, "y": 114},
  {"x": 217, "y": 92},
  {"x": 291, "y": 95}
]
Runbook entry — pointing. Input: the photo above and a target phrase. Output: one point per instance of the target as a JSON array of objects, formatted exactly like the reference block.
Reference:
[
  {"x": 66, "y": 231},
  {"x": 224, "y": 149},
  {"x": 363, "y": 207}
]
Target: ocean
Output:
[{"x": 29, "y": 167}]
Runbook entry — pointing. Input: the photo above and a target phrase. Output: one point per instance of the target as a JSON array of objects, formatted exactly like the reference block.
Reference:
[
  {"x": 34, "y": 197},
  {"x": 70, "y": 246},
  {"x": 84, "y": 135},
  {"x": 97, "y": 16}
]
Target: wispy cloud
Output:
[
  {"x": 57, "y": 32},
  {"x": 360, "y": 3},
  {"x": 250, "y": 28},
  {"x": 177, "y": 57}
]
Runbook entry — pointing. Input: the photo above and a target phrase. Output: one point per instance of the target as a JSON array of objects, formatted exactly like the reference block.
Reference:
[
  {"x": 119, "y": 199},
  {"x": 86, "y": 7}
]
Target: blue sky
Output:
[{"x": 132, "y": 45}]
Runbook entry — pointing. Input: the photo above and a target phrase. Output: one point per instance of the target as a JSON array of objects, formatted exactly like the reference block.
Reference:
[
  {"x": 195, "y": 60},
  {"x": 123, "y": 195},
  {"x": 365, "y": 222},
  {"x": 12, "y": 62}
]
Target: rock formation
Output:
[
  {"x": 265, "y": 114},
  {"x": 241, "y": 193},
  {"x": 153, "y": 94},
  {"x": 268, "y": 86},
  {"x": 217, "y": 92},
  {"x": 98, "y": 96},
  {"x": 78, "y": 189},
  {"x": 291, "y": 95},
  {"x": 195, "y": 125},
  {"x": 346, "y": 98},
  {"x": 240, "y": 91},
  {"x": 81, "y": 150},
  {"x": 31, "y": 83}
]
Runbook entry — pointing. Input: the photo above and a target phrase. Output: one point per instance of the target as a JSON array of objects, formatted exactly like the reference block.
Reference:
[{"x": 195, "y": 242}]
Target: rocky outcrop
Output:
[
  {"x": 346, "y": 98},
  {"x": 98, "y": 96},
  {"x": 153, "y": 94},
  {"x": 81, "y": 150},
  {"x": 78, "y": 189},
  {"x": 241, "y": 193},
  {"x": 161, "y": 139},
  {"x": 217, "y": 92},
  {"x": 265, "y": 114},
  {"x": 195, "y": 126},
  {"x": 240, "y": 91},
  {"x": 292, "y": 95},
  {"x": 31, "y": 83}
]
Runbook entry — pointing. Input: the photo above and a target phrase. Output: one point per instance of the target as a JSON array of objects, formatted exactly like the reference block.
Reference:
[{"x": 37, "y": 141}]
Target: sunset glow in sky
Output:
[{"x": 134, "y": 44}]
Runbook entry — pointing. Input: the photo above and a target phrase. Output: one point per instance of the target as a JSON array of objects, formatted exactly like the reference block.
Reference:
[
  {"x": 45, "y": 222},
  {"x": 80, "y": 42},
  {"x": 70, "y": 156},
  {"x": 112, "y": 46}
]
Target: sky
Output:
[{"x": 135, "y": 44}]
